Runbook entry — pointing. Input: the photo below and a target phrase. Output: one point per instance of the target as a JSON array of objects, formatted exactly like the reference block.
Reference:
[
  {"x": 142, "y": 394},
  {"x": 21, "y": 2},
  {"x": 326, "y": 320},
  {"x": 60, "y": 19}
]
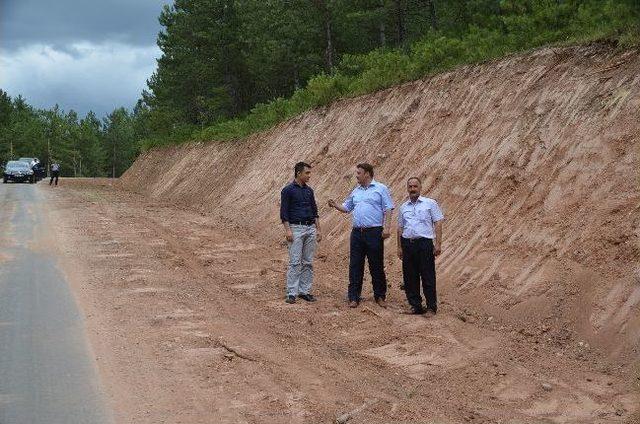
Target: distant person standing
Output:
[
  {"x": 371, "y": 207},
  {"x": 55, "y": 172},
  {"x": 419, "y": 242},
  {"x": 299, "y": 216}
]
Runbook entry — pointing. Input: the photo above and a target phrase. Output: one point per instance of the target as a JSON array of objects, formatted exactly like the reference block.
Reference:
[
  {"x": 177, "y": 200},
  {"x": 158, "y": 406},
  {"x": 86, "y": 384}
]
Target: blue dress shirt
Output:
[
  {"x": 368, "y": 204},
  {"x": 418, "y": 219}
]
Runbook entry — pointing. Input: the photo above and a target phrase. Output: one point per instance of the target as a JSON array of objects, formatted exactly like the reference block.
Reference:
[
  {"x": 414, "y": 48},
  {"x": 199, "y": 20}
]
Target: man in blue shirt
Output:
[
  {"x": 371, "y": 207},
  {"x": 419, "y": 242},
  {"x": 299, "y": 216}
]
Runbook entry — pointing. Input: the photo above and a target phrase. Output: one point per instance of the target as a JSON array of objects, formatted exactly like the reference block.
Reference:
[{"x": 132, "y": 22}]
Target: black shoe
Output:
[
  {"x": 381, "y": 302},
  {"x": 307, "y": 297},
  {"x": 419, "y": 310},
  {"x": 290, "y": 299}
]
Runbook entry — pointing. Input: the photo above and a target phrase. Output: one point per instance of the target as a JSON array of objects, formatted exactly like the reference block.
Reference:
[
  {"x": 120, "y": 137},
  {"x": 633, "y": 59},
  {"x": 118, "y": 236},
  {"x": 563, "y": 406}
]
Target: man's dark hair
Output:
[
  {"x": 366, "y": 168},
  {"x": 299, "y": 168},
  {"x": 414, "y": 178}
]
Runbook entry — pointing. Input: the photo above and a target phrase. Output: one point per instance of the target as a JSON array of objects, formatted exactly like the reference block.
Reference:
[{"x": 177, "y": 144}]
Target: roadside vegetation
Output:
[
  {"x": 231, "y": 68},
  {"x": 84, "y": 147},
  {"x": 405, "y": 40}
]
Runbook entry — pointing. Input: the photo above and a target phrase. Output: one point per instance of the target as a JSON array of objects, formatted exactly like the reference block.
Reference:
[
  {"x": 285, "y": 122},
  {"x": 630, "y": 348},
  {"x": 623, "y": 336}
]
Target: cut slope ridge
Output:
[{"x": 534, "y": 160}]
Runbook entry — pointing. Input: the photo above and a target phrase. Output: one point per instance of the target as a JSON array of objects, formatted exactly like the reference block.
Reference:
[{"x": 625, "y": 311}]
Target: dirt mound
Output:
[{"x": 533, "y": 158}]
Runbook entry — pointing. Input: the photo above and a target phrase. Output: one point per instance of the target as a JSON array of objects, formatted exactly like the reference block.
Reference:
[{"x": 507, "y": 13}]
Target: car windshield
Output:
[
  {"x": 14, "y": 164},
  {"x": 25, "y": 159}
]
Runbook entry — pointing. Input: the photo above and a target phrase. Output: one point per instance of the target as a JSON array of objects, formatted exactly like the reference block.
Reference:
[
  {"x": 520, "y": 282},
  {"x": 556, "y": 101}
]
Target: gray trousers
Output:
[{"x": 301, "y": 252}]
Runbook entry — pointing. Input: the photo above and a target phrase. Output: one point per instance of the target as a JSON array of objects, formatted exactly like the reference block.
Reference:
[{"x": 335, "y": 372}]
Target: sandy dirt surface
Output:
[
  {"x": 534, "y": 159},
  {"x": 186, "y": 314}
]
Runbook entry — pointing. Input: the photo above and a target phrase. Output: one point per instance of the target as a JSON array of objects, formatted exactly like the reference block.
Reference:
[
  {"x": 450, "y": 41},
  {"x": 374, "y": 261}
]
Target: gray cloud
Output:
[
  {"x": 98, "y": 77},
  {"x": 62, "y": 22},
  {"x": 82, "y": 55}
]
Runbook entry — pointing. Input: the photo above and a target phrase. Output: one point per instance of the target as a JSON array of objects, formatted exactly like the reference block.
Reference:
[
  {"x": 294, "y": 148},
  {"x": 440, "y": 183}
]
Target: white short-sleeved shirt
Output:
[{"x": 418, "y": 219}]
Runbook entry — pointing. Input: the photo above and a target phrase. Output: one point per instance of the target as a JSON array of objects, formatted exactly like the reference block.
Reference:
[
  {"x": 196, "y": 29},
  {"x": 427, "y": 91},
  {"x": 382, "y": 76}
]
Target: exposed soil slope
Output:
[{"x": 535, "y": 161}]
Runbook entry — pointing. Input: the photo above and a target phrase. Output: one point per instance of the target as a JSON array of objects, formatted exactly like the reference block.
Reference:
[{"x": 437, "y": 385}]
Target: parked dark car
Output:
[
  {"x": 18, "y": 171},
  {"x": 36, "y": 166}
]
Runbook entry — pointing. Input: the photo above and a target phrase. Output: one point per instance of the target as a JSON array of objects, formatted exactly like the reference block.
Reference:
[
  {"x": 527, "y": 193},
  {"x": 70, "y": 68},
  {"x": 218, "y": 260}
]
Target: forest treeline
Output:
[
  {"x": 84, "y": 147},
  {"x": 230, "y": 68},
  {"x": 234, "y": 67}
]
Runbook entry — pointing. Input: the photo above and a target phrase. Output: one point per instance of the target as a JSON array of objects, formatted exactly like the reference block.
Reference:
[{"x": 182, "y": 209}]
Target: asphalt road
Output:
[{"x": 47, "y": 374}]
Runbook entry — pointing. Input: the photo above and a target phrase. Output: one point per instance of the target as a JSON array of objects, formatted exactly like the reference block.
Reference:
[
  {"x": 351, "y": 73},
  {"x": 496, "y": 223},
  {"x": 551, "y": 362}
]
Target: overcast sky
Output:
[{"x": 81, "y": 54}]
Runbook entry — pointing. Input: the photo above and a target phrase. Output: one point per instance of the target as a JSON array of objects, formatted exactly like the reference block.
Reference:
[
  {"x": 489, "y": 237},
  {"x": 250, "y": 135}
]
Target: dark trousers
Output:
[
  {"x": 418, "y": 263},
  {"x": 367, "y": 243},
  {"x": 54, "y": 174}
]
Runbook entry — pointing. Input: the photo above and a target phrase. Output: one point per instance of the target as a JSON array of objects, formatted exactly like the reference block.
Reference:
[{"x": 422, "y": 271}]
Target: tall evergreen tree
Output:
[
  {"x": 91, "y": 151},
  {"x": 119, "y": 141},
  {"x": 200, "y": 76}
]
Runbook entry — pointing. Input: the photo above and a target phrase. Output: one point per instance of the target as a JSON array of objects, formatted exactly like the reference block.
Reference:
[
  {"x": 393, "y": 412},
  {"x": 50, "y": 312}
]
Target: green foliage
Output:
[
  {"x": 119, "y": 141},
  {"x": 375, "y": 70},
  {"x": 82, "y": 147},
  {"x": 91, "y": 155},
  {"x": 231, "y": 68},
  {"x": 280, "y": 46},
  {"x": 320, "y": 91}
]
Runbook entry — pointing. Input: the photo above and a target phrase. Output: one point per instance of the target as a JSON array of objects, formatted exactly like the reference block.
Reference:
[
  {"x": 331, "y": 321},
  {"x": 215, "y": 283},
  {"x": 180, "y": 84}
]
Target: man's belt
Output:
[
  {"x": 363, "y": 229},
  {"x": 415, "y": 239},
  {"x": 303, "y": 222}
]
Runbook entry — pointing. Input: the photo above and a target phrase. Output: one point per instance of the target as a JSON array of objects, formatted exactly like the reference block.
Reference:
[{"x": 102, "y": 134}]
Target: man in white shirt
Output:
[
  {"x": 419, "y": 242},
  {"x": 55, "y": 172}
]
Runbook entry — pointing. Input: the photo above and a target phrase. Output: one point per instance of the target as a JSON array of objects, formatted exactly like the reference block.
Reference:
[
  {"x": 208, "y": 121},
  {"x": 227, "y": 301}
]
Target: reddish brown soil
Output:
[{"x": 535, "y": 161}]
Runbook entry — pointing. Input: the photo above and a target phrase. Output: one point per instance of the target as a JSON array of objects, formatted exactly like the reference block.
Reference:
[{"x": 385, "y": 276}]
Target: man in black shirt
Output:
[{"x": 299, "y": 216}]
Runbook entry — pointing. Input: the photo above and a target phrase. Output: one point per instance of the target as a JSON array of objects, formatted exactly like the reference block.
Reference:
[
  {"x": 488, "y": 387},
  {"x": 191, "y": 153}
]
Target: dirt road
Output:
[
  {"x": 47, "y": 370},
  {"x": 185, "y": 313}
]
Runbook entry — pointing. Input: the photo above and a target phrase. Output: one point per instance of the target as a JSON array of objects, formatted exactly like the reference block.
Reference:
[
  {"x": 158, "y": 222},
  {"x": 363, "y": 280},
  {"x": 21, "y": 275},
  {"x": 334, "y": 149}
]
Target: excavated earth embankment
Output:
[{"x": 534, "y": 160}]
